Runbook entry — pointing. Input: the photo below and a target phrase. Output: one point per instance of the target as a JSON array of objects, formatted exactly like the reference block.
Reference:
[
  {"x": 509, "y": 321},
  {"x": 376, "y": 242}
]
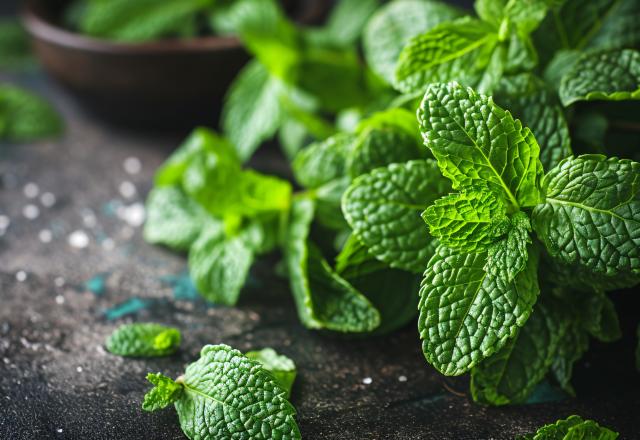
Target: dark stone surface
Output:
[{"x": 57, "y": 381}]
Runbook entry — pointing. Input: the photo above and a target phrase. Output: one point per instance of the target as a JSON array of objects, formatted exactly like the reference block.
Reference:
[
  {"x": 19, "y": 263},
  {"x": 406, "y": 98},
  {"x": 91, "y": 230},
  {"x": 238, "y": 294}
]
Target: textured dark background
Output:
[{"x": 58, "y": 303}]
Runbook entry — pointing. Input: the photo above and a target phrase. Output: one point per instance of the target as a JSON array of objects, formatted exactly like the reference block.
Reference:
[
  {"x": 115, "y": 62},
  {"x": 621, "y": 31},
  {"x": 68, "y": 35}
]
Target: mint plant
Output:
[
  {"x": 572, "y": 428},
  {"x": 486, "y": 178},
  {"x": 225, "y": 394},
  {"x": 144, "y": 340}
]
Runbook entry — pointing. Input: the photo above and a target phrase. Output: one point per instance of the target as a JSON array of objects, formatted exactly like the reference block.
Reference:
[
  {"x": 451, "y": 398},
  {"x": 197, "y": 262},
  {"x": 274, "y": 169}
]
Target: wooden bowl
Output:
[{"x": 165, "y": 83}]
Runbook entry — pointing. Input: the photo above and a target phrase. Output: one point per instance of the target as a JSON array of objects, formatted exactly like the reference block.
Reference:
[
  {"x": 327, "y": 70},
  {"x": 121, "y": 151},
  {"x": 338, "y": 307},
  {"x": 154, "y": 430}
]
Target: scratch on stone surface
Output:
[
  {"x": 128, "y": 307},
  {"x": 182, "y": 285},
  {"x": 97, "y": 284}
]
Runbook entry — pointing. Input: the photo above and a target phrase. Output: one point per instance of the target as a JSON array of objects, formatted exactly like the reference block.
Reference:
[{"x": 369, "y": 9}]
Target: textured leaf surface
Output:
[
  {"x": 25, "y": 116},
  {"x": 592, "y": 214},
  {"x": 452, "y": 51},
  {"x": 393, "y": 292},
  {"x": 282, "y": 368},
  {"x": 619, "y": 28},
  {"x": 476, "y": 142},
  {"x": 355, "y": 260},
  {"x": 144, "y": 340},
  {"x": 226, "y": 395},
  {"x": 323, "y": 298},
  {"x": 509, "y": 376},
  {"x": 508, "y": 257},
  {"x": 529, "y": 99},
  {"x": 574, "y": 428},
  {"x": 219, "y": 264},
  {"x": 466, "y": 315},
  {"x": 165, "y": 392},
  {"x": 252, "y": 112},
  {"x": 394, "y": 24},
  {"x": 383, "y": 208},
  {"x": 378, "y": 147},
  {"x": 323, "y": 161},
  {"x": 173, "y": 219},
  {"x": 469, "y": 221},
  {"x": 609, "y": 76}
]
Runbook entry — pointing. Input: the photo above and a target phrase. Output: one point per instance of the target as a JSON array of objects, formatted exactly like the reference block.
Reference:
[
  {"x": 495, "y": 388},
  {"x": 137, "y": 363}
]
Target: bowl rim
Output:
[{"x": 42, "y": 29}]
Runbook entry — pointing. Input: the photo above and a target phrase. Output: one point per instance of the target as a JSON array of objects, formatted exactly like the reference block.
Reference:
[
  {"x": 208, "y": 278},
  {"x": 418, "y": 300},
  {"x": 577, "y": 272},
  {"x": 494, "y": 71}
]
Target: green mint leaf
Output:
[
  {"x": 227, "y": 395},
  {"x": 477, "y": 142},
  {"x": 173, "y": 219},
  {"x": 391, "y": 291},
  {"x": 323, "y": 298},
  {"x": 469, "y": 221},
  {"x": 143, "y": 340},
  {"x": 282, "y": 368},
  {"x": 394, "y": 24},
  {"x": 573, "y": 24},
  {"x": 265, "y": 32},
  {"x": 142, "y": 20},
  {"x": 327, "y": 199},
  {"x": 608, "y": 76},
  {"x": 355, "y": 260},
  {"x": 378, "y": 147},
  {"x": 219, "y": 261},
  {"x": 336, "y": 77},
  {"x": 561, "y": 63},
  {"x": 466, "y": 315},
  {"x": 322, "y": 162},
  {"x": 619, "y": 28},
  {"x": 572, "y": 346},
  {"x": 346, "y": 22},
  {"x": 252, "y": 112},
  {"x": 458, "y": 50},
  {"x": 574, "y": 428},
  {"x": 529, "y": 99},
  {"x": 576, "y": 276},
  {"x": 525, "y": 15},
  {"x": 165, "y": 392},
  {"x": 510, "y": 375},
  {"x": 591, "y": 216},
  {"x": 202, "y": 145},
  {"x": 15, "y": 49},
  {"x": 383, "y": 209},
  {"x": 398, "y": 119},
  {"x": 508, "y": 257},
  {"x": 25, "y": 116}
]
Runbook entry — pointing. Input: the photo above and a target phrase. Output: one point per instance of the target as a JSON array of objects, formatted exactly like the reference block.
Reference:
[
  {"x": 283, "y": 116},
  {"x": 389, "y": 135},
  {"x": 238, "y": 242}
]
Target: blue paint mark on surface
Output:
[
  {"x": 183, "y": 287},
  {"x": 546, "y": 392},
  {"x": 128, "y": 307},
  {"x": 98, "y": 284},
  {"x": 110, "y": 208}
]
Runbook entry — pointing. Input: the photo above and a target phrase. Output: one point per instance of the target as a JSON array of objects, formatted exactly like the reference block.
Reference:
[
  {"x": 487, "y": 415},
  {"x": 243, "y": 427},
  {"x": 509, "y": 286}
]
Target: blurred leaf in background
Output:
[
  {"x": 15, "y": 51},
  {"x": 25, "y": 116}
]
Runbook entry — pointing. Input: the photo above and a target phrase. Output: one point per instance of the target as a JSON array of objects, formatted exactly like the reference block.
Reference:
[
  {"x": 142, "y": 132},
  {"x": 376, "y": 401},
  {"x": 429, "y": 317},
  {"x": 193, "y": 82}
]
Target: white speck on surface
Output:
[
  {"x": 4, "y": 222},
  {"x": 108, "y": 244},
  {"x": 367, "y": 381},
  {"x": 89, "y": 218},
  {"x": 133, "y": 214},
  {"x": 132, "y": 165},
  {"x": 21, "y": 275},
  {"x": 127, "y": 189},
  {"x": 31, "y": 190},
  {"x": 79, "y": 369},
  {"x": 59, "y": 299},
  {"x": 48, "y": 199},
  {"x": 58, "y": 281},
  {"x": 59, "y": 430},
  {"x": 402, "y": 378},
  {"x": 78, "y": 239},
  {"x": 45, "y": 236},
  {"x": 31, "y": 211}
]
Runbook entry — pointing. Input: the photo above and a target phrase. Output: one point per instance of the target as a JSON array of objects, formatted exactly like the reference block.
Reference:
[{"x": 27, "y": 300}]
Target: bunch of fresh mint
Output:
[{"x": 523, "y": 236}]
